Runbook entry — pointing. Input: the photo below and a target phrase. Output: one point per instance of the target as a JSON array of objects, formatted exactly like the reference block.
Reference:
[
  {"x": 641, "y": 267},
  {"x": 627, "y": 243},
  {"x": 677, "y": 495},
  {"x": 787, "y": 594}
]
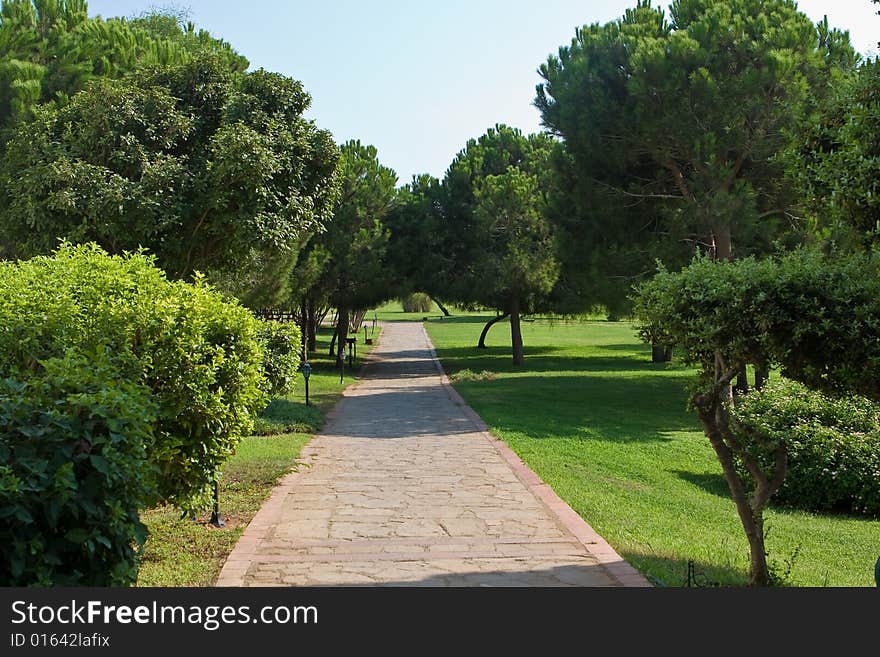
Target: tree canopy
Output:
[
  {"x": 836, "y": 160},
  {"x": 209, "y": 169},
  {"x": 687, "y": 114},
  {"x": 347, "y": 262},
  {"x": 499, "y": 246},
  {"x": 49, "y": 49}
]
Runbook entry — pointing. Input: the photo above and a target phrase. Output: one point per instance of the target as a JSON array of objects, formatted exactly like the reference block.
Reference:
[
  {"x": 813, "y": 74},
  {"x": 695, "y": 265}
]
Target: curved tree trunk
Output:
[
  {"x": 441, "y": 307},
  {"x": 482, "y": 343},
  {"x": 342, "y": 332},
  {"x": 752, "y": 521},
  {"x": 333, "y": 340},
  {"x": 516, "y": 334}
]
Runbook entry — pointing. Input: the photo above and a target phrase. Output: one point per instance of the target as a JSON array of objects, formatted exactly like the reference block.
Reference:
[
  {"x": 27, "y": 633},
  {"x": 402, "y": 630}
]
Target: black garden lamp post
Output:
[{"x": 306, "y": 370}]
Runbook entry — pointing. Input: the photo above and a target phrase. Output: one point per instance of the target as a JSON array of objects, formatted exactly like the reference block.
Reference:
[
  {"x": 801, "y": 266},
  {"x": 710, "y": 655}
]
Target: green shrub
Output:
[
  {"x": 196, "y": 351},
  {"x": 281, "y": 344},
  {"x": 417, "y": 302},
  {"x": 73, "y": 474},
  {"x": 833, "y": 446}
]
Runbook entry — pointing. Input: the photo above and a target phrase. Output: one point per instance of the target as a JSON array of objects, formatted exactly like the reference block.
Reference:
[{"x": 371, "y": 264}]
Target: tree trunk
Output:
[
  {"x": 482, "y": 343},
  {"x": 762, "y": 375},
  {"x": 304, "y": 331},
  {"x": 312, "y": 327},
  {"x": 712, "y": 411},
  {"x": 742, "y": 381},
  {"x": 516, "y": 334},
  {"x": 333, "y": 340},
  {"x": 441, "y": 307},
  {"x": 723, "y": 246},
  {"x": 660, "y": 354},
  {"x": 342, "y": 332},
  {"x": 752, "y": 522}
]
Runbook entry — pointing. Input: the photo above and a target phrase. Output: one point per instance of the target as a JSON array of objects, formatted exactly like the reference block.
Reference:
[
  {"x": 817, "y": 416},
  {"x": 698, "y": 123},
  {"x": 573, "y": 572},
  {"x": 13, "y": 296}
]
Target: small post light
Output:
[
  {"x": 306, "y": 370},
  {"x": 216, "y": 518}
]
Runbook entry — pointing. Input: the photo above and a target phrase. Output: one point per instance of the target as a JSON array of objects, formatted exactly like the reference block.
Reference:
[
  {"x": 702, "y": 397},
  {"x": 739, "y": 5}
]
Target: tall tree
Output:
[
  {"x": 210, "y": 169},
  {"x": 416, "y": 248},
  {"x": 691, "y": 112},
  {"x": 499, "y": 245},
  {"x": 519, "y": 266},
  {"x": 354, "y": 246}
]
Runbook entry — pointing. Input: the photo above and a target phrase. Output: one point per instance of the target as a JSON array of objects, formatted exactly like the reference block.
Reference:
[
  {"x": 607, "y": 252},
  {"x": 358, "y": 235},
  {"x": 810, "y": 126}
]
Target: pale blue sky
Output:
[{"x": 418, "y": 79}]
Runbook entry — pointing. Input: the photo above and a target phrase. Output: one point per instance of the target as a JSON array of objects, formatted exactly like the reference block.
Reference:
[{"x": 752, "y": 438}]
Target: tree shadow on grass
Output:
[
  {"x": 622, "y": 409},
  {"x": 542, "y": 359},
  {"x": 711, "y": 482},
  {"x": 286, "y": 416}
]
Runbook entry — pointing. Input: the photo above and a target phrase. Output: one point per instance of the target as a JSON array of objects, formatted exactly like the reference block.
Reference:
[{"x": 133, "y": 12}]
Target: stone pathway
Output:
[{"x": 405, "y": 486}]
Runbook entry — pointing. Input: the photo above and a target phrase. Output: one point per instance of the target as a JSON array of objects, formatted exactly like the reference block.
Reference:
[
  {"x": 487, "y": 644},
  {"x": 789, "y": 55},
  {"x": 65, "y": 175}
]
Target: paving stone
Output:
[{"x": 405, "y": 487}]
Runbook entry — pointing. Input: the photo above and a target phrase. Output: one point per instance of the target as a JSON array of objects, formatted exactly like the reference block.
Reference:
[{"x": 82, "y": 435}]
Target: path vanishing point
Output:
[{"x": 405, "y": 486}]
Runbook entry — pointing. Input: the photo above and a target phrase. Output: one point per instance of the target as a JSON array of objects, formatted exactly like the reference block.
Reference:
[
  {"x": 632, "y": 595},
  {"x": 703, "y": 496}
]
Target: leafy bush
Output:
[
  {"x": 417, "y": 302},
  {"x": 195, "y": 350},
  {"x": 833, "y": 446},
  {"x": 73, "y": 474},
  {"x": 281, "y": 344}
]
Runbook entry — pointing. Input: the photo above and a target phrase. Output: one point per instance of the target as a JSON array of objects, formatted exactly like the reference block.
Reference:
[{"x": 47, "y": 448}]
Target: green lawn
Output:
[
  {"x": 183, "y": 552},
  {"x": 609, "y": 431}
]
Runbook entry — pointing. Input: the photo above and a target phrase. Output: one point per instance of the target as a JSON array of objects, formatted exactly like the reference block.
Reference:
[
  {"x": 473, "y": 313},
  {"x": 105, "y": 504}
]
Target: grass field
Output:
[
  {"x": 609, "y": 431},
  {"x": 183, "y": 552}
]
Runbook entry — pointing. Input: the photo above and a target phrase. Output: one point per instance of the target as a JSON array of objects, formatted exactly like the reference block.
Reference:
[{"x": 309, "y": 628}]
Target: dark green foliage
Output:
[
  {"x": 346, "y": 266},
  {"x": 502, "y": 171},
  {"x": 356, "y": 240},
  {"x": 211, "y": 170},
  {"x": 673, "y": 124},
  {"x": 282, "y": 345},
  {"x": 483, "y": 237},
  {"x": 195, "y": 350},
  {"x": 836, "y": 160},
  {"x": 833, "y": 446},
  {"x": 816, "y": 316},
  {"x": 50, "y": 49},
  {"x": 419, "y": 254},
  {"x": 73, "y": 473}
]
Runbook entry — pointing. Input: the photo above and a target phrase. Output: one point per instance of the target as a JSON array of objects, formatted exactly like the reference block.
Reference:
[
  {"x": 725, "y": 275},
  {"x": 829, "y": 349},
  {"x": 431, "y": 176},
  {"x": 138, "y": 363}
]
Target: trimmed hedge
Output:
[
  {"x": 74, "y": 474},
  {"x": 833, "y": 446},
  {"x": 195, "y": 350}
]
